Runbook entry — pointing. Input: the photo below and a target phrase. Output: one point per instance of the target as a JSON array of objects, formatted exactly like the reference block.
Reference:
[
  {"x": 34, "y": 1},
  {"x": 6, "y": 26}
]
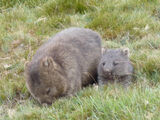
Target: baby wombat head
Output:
[
  {"x": 45, "y": 79},
  {"x": 115, "y": 62}
]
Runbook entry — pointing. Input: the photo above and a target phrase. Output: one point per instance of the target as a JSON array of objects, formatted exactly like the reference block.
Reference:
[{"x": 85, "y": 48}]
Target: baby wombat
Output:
[
  {"x": 64, "y": 64},
  {"x": 115, "y": 66}
]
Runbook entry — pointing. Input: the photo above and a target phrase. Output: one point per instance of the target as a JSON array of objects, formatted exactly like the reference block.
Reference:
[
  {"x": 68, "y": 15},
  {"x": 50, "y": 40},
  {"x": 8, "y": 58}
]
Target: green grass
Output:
[{"x": 26, "y": 24}]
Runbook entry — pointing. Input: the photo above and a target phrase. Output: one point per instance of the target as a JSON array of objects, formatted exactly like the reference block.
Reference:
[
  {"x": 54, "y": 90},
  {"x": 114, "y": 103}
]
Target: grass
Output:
[{"x": 26, "y": 24}]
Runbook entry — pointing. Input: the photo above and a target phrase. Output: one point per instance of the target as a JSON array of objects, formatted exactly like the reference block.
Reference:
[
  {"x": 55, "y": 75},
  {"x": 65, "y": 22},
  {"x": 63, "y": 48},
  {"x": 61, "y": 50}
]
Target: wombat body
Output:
[
  {"x": 115, "y": 66},
  {"x": 64, "y": 64}
]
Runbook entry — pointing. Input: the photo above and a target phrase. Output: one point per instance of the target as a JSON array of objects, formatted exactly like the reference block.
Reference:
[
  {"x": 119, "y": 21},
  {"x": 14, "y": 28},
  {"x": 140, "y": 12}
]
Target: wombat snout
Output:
[
  {"x": 107, "y": 69},
  {"x": 47, "y": 101}
]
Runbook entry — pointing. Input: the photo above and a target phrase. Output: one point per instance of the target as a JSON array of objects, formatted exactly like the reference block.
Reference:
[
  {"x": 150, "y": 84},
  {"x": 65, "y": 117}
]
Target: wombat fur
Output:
[
  {"x": 115, "y": 66},
  {"x": 64, "y": 64}
]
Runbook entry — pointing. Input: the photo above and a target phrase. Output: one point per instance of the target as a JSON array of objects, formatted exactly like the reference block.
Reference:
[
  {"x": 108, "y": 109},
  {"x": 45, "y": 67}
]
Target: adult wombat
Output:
[
  {"x": 64, "y": 64},
  {"x": 115, "y": 66}
]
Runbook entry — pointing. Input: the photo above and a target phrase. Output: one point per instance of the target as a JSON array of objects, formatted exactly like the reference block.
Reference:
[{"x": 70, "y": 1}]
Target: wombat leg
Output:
[
  {"x": 71, "y": 93},
  {"x": 102, "y": 81},
  {"x": 75, "y": 86},
  {"x": 126, "y": 82}
]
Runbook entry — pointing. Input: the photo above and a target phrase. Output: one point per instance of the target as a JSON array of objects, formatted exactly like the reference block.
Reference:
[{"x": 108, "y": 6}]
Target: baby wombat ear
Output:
[
  {"x": 48, "y": 62},
  {"x": 103, "y": 50},
  {"x": 126, "y": 51}
]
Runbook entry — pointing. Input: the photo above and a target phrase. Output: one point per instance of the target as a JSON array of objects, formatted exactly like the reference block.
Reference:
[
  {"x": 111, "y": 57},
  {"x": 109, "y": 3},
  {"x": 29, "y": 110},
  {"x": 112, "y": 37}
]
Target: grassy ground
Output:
[{"x": 26, "y": 24}]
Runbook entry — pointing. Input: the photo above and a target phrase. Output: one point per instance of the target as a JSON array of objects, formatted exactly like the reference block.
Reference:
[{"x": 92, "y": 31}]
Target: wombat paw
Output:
[
  {"x": 95, "y": 87},
  {"x": 70, "y": 95}
]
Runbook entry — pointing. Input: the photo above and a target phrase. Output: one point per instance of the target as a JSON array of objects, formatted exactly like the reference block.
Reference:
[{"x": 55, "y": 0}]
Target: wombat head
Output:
[
  {"x": 45, "y": 79},
  {"x": 115, "y": 62}
]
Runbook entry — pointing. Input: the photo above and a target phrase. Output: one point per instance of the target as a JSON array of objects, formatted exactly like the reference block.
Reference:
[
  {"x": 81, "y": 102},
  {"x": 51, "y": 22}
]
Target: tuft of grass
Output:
[
  {"x": 104, "y": 103},
  {"x": 5, "y": 4},
  {"x": 26, "y": 24},
  {"x": 67, "y": 7},
  {"x": 118, "y": 17}
]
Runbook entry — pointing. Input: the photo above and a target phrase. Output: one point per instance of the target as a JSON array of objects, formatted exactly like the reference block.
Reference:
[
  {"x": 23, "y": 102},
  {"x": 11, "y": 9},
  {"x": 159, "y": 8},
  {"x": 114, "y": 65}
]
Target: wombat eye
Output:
[
  {"x": 48, "y": 91},
  {"x": 115, "y": 63},
  {"x": 103, "y": 63}
]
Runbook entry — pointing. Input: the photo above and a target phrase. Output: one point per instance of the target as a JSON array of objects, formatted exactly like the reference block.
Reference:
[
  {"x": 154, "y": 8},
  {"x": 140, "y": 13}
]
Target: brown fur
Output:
[
  {"x": 115, "y": 66},
  {"x": 64, "y": 64}
]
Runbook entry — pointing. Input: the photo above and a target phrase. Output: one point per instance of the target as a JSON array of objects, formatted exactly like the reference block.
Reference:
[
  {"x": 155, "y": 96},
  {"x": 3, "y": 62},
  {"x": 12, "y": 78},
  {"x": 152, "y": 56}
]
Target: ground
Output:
[{"x": 26, "y": 24}]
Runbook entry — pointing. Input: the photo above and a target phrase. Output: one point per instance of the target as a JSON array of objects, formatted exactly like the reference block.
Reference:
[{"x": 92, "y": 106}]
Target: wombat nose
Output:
[
  {"x": 46, "y": 103},
  {"x": 107, "y": 70}
]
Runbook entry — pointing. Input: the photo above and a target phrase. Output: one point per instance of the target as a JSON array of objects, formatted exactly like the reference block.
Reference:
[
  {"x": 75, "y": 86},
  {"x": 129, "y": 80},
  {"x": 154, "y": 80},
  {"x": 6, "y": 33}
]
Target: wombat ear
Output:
[
  {"x": 103, "y": 50},
  {"x": 126, "y": 51},
  {"x": 26, "y": 64},
  {"x": 48, "y": 62}
]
